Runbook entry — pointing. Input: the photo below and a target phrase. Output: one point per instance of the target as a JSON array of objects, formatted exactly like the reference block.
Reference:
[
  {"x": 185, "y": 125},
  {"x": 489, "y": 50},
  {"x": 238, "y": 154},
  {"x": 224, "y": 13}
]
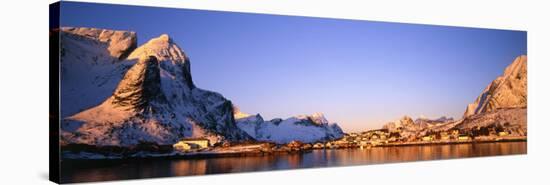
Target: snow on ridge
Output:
[
  {"x": 171, "y": 57},
  {"x": 120, "y": 43},
  {"x": 304, "y": 128}
]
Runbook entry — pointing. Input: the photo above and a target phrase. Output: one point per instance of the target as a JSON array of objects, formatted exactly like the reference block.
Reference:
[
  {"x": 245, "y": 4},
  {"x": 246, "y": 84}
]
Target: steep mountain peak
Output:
[
  {"x": 161, "y": 47},
  {"x": 517, "y": 68},
  {"x": 171, "y": 57},
  {"x": 406, "y": 120},
  {"x": 506, "y": 91},
  {"x": 318, "y": 118},
  {"x": 402, "y": 123},
  {"x": 165, "y": 38}
]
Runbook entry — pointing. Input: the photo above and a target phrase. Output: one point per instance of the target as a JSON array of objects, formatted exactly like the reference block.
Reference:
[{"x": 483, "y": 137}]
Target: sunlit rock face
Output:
[
  {"x": 120, "y": 43},
  {"x": 151, "y": 96},
  {"x": 405, "y": 122},
  {"x": 503, "y": 103},
  {"x": 140, "y": 87},
  {"x": 506, "y": 91}
]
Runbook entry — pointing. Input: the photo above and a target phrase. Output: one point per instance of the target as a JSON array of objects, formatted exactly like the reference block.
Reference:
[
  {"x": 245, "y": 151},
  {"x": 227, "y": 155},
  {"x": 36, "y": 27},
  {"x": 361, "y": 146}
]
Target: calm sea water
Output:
[{"x": 102, "y": 171}]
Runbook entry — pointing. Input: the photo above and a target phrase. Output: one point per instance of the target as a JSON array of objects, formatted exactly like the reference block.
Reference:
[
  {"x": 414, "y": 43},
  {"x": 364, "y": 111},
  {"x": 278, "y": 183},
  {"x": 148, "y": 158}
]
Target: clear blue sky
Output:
[{"x": 361, "y": 74}]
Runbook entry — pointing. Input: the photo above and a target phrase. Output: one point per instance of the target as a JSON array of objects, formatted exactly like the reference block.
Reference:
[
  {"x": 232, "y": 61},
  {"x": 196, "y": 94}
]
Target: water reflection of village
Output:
[
  {"x": 315, "y": 158},
  {"x": 326, "y": 158}
]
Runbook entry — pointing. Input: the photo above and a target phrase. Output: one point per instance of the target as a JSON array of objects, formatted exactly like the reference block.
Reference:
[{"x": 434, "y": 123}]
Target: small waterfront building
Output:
[
  {"x": 295, "y": 144},
  {"x": 455, "y": 132},
  {"x": 463, "y": 137},
  {"x": 330, "y": 145},
  {"x": 191, "y": 143},
  {"x": 181, "y": 146},
  {"x": 502, "y": 133},
  {"x": 341, "y": 142},
  {"x": 427, "y": 138},
  {"x": 319, "y": 145}
]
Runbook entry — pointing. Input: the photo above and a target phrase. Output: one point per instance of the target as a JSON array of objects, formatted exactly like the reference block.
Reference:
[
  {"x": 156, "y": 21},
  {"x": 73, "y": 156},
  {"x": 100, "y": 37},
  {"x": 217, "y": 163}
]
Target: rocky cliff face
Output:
[
  {"x": 503, "y": 103},
  {"x": 140, "y": 87},
  {"x": 303, "y": 128},
  {"x": 405, "y": 122},
  {"x": 506, "y": 91},
  {"x": 155, "y": 101}
]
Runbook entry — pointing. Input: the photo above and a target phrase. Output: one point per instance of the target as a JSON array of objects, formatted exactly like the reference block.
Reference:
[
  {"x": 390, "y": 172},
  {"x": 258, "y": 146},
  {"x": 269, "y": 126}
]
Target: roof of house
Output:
[{"x": 194, "y": 139}]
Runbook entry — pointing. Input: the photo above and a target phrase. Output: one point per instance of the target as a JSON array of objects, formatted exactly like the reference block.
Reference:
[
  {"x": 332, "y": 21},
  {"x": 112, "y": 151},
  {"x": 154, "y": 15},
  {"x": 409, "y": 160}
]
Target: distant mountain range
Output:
[
  {"x": 114, "y": 93},
  {"x": 304, "y": 128}
]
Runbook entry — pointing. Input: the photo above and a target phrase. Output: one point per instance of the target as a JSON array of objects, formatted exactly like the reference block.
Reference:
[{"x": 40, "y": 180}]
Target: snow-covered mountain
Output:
[
  {"x": 304, "y": 128},
  {"x": 149, "y": 96},
  {"x": 506, "y": 91}
]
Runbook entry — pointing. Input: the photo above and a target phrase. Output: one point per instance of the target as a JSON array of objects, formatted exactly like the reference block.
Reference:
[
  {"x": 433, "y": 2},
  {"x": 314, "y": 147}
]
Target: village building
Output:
[
  {"x": 191, "y": 144},
  {"x": 463, "y": 137},
  {"x": 331, "y": 145},
  {"x": 427, "y": 138},
  {"x": 319, "y": 145},
  {"x": 502, "y": 133}
]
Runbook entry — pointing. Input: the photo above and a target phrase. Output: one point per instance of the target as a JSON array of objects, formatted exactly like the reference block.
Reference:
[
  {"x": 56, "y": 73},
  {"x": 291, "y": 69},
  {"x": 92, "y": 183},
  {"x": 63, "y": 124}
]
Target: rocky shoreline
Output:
[{"x": 239, "y": 150}]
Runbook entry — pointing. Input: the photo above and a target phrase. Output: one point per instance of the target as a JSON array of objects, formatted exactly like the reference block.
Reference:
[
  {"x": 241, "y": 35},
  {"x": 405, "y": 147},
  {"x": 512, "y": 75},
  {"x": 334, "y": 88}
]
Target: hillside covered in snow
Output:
[{"x": 304, "y": 128}]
